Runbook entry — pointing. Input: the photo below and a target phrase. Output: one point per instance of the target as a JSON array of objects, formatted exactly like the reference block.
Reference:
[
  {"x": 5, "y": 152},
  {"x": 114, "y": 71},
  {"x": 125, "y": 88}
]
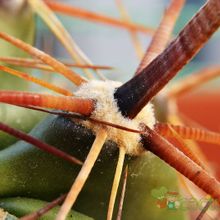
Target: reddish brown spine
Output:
[
  {"x": 37, "y": 214},
  {"x": 171, "y": 155},
  {"x": 162, "y": 34}
]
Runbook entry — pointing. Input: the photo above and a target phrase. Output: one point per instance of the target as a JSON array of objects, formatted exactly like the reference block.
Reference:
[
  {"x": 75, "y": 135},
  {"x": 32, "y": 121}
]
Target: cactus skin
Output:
[
  {"x": 29, "y": 172},
  {"x": 22, "y": 206}
]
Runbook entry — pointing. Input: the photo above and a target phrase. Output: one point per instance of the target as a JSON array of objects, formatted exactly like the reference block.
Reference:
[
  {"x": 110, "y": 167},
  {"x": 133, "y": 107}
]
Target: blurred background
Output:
[{"x": 112, "y": 46}]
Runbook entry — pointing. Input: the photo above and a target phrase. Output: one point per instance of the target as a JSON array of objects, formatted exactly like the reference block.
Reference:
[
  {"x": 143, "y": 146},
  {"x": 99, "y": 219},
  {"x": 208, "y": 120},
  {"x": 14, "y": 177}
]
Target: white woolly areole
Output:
[
  {"x": 3, "y": 214},
  {"x": 106, "y": 109}
]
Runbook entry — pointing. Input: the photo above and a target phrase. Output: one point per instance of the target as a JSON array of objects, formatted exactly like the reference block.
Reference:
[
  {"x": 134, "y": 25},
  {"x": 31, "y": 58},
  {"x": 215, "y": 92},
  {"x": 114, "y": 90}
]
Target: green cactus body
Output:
[
  {"x": 22, "y": 206},
  {"x": 27, "y": 171}
]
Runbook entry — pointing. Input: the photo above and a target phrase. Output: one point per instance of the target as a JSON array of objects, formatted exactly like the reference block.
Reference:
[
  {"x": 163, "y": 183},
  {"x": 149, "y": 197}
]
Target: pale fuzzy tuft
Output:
[
  {"x": 106, "y": 109},
  {"x": 3, "y": 214}
]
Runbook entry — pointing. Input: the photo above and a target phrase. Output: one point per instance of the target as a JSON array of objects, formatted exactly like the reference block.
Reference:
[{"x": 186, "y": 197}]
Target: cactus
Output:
[{"x": 108, "y": 125}]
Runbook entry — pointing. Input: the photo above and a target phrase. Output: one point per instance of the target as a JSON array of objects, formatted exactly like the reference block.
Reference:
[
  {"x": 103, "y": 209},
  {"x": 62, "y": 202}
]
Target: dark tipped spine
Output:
[{"x": 137, "y": 92}]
